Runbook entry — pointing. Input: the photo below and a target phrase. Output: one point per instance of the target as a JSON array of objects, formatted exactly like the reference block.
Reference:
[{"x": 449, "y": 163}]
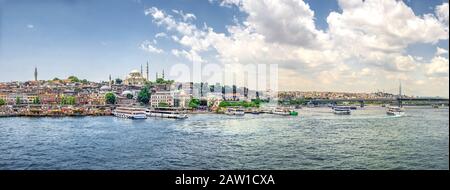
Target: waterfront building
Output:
[
  {"x": 161, "y": 97},
  {"x": 181, "y": 99},
  {"x": 3, "y": 96},
  {"x": 135, "y": 78}
]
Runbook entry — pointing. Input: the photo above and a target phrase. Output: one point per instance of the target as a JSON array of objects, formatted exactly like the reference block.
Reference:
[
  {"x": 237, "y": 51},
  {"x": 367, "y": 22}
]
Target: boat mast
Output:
[{"x": 400, "y": 94}]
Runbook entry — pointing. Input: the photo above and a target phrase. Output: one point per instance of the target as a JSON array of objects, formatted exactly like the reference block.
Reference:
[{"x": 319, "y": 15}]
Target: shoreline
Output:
[{"x": 193, "y": 113}]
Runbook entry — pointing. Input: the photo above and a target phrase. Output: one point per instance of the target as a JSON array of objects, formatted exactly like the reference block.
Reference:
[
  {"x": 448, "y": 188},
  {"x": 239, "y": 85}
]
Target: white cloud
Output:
[
  {"x": 364, "y": 46},
  {"x": 284, "y": 21},
  {"x": 147, "y": 46},
  {"x": 388, "y": 26},
  {"x": 442, "y": 14},
  {"x": 30, "y": 26},
  {"x": 191, "y": 56},
  {"x": 161, "y": 35},
  {"x": 438, "y": 67},
  {"x": 186, "y": 17},
  {"x": 441, "y": 51}
]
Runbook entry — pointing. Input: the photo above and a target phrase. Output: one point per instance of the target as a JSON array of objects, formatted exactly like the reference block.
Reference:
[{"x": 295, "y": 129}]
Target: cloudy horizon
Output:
[{"x": 351, "y": 45}]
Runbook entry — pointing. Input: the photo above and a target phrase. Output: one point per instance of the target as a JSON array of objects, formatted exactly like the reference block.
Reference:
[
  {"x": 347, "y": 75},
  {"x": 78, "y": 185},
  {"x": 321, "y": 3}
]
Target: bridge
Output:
[{"x": 394, "y": 100}]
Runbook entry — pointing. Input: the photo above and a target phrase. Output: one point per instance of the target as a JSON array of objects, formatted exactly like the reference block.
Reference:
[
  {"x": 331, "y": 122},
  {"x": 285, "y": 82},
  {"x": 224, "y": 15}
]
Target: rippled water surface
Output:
[{"x": 316, "y": 139}]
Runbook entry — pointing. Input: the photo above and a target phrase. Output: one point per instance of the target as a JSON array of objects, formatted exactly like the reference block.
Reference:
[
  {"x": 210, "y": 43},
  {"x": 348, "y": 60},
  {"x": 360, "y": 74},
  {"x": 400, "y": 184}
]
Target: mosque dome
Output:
[
  {"x": 126, "y": 92},
  {"x": 135, "y": 72},
  {"x": 105, "y": 88}
]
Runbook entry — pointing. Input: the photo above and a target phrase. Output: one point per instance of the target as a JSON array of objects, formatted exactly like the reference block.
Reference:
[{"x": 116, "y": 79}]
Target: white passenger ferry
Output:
[
  {"x": 130, "y": 113},
  {"x": 235, "y": 111},
  {"x": 341, "y": 110},
  {"x": 166, "y": 113},
  {"x": 395, "y": 111}
]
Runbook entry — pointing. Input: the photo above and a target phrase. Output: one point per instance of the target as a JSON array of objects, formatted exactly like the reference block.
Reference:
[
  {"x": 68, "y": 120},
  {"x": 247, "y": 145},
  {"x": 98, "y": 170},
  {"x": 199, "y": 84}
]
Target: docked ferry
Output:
[
  {"x": 279, "y": 111},
  {"x": 130, "y": 113},
  {"x": 166, "y": 113},
  {"x": 235, "y": 111}
]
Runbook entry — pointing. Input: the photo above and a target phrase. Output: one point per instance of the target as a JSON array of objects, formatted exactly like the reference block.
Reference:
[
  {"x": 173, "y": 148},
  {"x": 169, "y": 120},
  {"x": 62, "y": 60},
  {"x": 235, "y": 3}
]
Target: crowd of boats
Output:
[
  {"x": 175, "y": 113},
  {"x": 346, "y": 110},
  {"x": 144, "y": 113}
]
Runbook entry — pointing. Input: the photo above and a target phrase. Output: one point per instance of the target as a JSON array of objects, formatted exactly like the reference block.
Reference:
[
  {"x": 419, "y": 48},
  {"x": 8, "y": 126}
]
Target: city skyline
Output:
[{"x": 318, "y": 47}]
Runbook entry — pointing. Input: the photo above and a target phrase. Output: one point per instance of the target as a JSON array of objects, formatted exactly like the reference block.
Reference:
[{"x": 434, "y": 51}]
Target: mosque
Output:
[{"x": 136, "y": 78}]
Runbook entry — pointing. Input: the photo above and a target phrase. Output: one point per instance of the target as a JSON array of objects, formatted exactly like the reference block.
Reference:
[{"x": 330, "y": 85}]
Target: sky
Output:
[{"x": 318, "y": 45}]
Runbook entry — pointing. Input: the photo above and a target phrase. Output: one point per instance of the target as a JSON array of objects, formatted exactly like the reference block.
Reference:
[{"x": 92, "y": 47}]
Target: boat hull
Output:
[{"x": 164, "y": 115}]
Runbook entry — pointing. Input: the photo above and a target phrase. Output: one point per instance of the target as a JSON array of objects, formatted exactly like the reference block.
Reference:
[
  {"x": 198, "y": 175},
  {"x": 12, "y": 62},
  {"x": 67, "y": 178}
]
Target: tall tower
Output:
[
  {"x": 163, "y": 74},
  {"x": 147, "y": 72},
  {"x": 142, "y": 73},
  {"x": 35, "y": 74},
  {"x": 110, "y": 81}
]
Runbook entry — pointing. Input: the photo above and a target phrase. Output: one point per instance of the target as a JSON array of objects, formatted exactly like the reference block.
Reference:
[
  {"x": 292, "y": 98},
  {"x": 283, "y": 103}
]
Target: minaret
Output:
[
  {"x": 147, "y": 71},
  {"x": 110, "y": 81},
  {"x": 142, "y": 73},
  {"x": 35, "y": 74},
  {"x": 163, "y": 74}
]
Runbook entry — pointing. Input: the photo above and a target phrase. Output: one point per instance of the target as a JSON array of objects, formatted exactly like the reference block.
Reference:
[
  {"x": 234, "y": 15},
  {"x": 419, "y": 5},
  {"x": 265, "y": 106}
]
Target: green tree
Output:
[
  {"x": 18, "y": 100},
  {"x": 159, "y": 81},
  {"x": 162, "y": 81},
  {"x": 73, "y": 79},
  {"x": 130, "y": 96},
  {"x": 163, "y": 104},
  {"x": 36, "y": 100},
  {"x": 84, "y": 81},
  {"x": 2, "y": 102},
  {"x": 194, "y": 103},
  {"x": 71, "y": 100},
  {"x": 110, "y": 98},
  {"x": 118, "y": 81},
  {"x": 144, "y": 96},
  {"x": 68, "y": 100}
]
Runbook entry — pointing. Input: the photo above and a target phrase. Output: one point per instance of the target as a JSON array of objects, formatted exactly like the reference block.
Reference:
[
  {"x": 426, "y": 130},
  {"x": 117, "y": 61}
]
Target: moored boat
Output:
[
  {"x": 279, "y": 111},
  {"x": 341, "y": 110},
  {"x": 235, "y": 111},
  {"x": 173, "y": 113},
  {"x": 130, "y": 113}
]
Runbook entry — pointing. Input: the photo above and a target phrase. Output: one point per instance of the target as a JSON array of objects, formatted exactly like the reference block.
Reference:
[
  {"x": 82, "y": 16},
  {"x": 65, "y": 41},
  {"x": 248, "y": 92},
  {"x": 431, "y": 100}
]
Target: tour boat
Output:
[
  {"x": 234, "y": 111},
  {"x": 166, "y": 113},
  {"x": 395, "y": 111},
  {"x": 279, "y": 111},
  {"x": 341, "y": 110},
  {"x": 130, "y": 113}
]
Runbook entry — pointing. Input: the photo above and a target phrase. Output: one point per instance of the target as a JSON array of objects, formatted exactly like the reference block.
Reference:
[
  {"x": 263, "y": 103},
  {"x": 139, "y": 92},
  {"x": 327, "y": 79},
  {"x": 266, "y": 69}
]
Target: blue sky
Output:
[{"x": 94, "y": 38}]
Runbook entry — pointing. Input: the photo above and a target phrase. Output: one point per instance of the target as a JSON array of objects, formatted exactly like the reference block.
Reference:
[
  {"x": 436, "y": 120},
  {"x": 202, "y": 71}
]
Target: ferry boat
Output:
[
  {"x": 395, "y": 111},
  {"x": 341, "y": 110},
  {"x": 166, "y": 113},
  {"x": 255, "y": 111},
  {"x": 235, "y": 111},
  {"x": 130, "y": 113}
]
